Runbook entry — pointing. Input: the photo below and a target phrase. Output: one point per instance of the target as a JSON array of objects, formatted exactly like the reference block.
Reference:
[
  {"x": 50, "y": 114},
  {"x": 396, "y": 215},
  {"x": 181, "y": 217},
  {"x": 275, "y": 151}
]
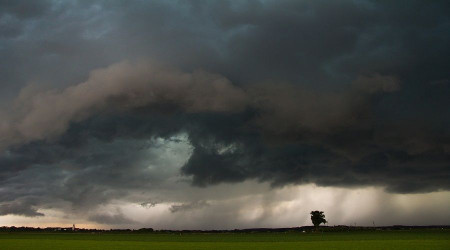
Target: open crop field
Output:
[{"x": 411, "y": 239}]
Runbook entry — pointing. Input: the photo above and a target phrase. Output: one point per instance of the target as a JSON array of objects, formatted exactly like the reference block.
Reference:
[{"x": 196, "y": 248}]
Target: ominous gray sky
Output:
[{"x": 224, "y": 114}]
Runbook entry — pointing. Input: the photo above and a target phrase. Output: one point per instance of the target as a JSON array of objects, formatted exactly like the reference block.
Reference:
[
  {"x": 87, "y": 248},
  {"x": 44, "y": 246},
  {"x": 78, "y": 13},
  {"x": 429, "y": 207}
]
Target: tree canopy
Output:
[{"x": 317, "y": 218}]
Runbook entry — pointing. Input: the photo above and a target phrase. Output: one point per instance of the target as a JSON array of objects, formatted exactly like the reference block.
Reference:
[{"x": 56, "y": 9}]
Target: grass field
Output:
[{"x": 410, "y": 239}]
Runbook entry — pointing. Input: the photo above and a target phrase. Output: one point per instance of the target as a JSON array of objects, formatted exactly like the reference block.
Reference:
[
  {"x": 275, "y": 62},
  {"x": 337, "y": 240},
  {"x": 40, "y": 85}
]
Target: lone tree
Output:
[{"x": 317, "y": 218}]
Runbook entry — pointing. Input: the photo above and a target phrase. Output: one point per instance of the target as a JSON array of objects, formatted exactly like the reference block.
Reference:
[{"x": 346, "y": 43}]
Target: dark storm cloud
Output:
[
  {"x": 346, "y": 93},
  {"x": 111, "y": 219},
  {"x": 124, "y": 86},
  {"x": 81, "y": 177},
  {"x": 19, "y": 208},
  {"x": 188, "y": 206}
]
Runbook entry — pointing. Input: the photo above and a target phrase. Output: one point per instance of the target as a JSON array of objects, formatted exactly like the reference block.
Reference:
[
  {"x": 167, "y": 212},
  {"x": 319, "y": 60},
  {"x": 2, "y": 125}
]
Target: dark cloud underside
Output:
[{"x": 345, "y": 93}]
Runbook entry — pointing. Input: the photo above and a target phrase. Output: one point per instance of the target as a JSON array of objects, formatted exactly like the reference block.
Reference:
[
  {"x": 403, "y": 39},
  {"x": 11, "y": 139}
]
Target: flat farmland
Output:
[{"x": 395, "y": 239}]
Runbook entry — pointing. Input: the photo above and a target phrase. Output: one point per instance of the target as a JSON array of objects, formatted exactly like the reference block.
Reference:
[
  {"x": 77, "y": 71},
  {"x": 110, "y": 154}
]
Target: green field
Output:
[{"x": 409, "y": 239}]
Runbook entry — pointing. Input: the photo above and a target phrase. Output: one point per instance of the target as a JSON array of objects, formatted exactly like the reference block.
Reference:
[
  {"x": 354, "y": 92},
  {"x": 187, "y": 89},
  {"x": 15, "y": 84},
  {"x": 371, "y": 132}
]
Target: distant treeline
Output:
[{"x": 339, "y": 228}]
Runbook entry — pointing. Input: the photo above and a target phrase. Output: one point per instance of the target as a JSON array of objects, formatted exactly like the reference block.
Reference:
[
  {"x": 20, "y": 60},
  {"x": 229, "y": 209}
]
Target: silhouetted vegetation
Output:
[
  {"x": 317, "y": 218},
  {"x": 304, "y": 229}
]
